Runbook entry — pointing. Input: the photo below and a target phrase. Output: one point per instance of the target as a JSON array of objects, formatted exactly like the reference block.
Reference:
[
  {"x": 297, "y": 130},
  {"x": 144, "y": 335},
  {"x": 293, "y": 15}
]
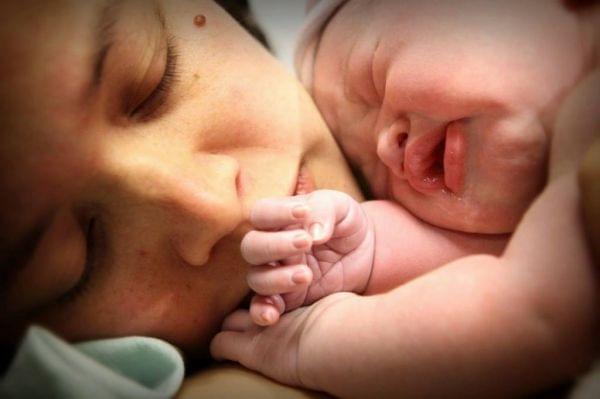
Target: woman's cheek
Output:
[{"x": 148, "y": 309}]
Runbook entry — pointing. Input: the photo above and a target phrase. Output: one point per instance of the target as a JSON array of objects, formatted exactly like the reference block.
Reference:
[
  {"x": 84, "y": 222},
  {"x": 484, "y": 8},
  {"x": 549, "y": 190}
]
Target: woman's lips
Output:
[
  {"x": 304, "y": 182},
  {"x": 435, "y": 160},
  {"x": 239, "y": 184},
  {"x": 241, "y": 181}
]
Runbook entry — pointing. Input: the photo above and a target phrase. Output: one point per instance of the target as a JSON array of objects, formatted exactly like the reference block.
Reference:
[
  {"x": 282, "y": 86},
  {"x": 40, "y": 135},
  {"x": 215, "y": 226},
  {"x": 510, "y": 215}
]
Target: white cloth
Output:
[{"x": 46, "y": 366}]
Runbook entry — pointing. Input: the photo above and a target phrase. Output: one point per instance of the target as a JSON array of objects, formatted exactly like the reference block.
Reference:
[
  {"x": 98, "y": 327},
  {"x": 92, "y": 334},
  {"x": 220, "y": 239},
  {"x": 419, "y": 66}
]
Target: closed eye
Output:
[
  {"x": 93, "y": 245},
  {"x": 154, "y": 104}
]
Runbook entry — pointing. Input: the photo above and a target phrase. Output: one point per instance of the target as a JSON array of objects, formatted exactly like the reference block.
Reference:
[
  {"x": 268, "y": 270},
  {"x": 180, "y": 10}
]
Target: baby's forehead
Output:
[{"x": 318, "y": 15}]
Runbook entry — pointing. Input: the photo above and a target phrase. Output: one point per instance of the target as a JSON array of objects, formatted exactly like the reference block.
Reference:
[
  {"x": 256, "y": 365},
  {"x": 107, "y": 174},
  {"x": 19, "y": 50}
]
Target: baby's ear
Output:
[{"x": 391, "y": 143}]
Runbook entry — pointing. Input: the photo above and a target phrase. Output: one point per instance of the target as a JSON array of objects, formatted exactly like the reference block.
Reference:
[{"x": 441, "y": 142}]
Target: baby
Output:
[
  {"x": 449, "y": 110},
  {"x": 469, "y": 158}
]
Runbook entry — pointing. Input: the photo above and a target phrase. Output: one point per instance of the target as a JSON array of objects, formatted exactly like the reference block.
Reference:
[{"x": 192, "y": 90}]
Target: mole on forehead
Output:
[{"x": 199, "y": 20}]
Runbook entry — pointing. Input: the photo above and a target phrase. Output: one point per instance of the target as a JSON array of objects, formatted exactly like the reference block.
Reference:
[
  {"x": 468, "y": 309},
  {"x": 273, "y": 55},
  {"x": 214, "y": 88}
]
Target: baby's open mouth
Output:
[{"x": 436, "y": 160}]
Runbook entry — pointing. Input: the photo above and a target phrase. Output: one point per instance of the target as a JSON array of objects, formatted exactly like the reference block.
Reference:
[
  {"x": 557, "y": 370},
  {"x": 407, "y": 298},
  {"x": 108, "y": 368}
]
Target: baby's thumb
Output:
[
  {"x": 265, "y": 310},
  {"x": 321, "y": 221}
]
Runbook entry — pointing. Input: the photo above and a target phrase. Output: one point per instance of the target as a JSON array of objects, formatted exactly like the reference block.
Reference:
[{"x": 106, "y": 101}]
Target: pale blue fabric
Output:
[{"x": 46, "y": 366}]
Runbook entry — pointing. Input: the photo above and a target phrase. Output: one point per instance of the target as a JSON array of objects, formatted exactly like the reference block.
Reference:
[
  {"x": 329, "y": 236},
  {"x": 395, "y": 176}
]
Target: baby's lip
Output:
[
  {"x": 455, "y": 153},
  {"x": 435, "y": 160}
]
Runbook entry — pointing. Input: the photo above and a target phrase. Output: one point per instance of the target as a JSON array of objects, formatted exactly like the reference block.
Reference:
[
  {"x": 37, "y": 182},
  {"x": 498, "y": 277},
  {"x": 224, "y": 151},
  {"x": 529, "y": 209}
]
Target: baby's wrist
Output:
[
  {"x": 366, "y": 271},
  {"x": 319, "y": 353}
]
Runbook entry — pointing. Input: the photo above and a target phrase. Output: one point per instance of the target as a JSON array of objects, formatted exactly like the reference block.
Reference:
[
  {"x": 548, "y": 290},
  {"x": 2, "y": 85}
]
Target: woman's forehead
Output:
[{"x": 44, "y": 49}]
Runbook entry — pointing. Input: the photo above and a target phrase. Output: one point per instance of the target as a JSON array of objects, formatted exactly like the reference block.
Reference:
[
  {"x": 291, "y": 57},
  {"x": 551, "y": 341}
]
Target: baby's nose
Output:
[{"x": 391, "y": 145}]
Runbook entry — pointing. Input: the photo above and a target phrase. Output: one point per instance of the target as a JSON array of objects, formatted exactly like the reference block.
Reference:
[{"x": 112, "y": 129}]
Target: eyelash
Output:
[
  {"x": 152, "y": 104},
  {"x": 91, "y": 257}
]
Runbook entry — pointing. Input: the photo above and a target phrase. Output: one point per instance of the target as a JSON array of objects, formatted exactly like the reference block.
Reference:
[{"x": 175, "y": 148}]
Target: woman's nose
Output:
[{"x": 194, "y": 197}]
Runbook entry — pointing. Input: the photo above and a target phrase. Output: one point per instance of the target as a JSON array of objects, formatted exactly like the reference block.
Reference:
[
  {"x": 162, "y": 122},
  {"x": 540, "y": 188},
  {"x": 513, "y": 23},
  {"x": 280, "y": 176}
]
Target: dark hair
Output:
[
  {"x": 240, "y": 11},
  {"x": 579, "y": 4}
]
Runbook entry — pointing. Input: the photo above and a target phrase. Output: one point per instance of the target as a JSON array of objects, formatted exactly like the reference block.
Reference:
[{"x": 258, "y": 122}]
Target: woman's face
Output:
[{"x": 134, "y": 143}]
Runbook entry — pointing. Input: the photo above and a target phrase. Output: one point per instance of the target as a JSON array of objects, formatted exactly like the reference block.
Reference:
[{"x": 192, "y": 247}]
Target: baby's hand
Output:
[{"x": 304, "y": 248}]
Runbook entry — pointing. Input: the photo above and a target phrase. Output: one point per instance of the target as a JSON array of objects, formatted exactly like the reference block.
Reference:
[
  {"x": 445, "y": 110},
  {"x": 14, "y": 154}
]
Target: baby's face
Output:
[
  {"x": 445, "y": 106},
  {"x": 134, "y": 142}
]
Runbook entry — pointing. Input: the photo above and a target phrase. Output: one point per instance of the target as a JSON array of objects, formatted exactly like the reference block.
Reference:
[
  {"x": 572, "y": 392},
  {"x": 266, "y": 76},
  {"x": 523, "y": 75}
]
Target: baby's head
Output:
[
  {"x": 135, "y": 136},
  {"x": 446, "y": 107}
]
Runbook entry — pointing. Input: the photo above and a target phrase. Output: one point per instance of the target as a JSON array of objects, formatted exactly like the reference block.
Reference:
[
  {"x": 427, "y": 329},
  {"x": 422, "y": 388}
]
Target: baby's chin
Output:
[
  {"x": 469, "y": 220},
  {"x": 451, "y": 212},
  {"x": 499, "y": 213}
]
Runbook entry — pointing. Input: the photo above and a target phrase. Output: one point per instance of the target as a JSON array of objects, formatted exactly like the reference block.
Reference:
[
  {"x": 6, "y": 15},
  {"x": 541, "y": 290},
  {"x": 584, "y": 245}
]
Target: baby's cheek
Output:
[{"x": 514, "y": 150}]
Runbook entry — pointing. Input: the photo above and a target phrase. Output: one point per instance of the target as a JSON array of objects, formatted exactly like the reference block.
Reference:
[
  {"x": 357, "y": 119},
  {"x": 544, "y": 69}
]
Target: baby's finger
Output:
[
  {"x": 269, "y": 280},
  {"x": 238, "y": 321},
  {"x": 260, "y": 247},
  {"x": 294, "y": 299},
  {"x": 278, "y": 213},
  {"x": 265, "y": 310},
  {"x": 232, "y": 345},
  {"x": 321, "y": 219}
]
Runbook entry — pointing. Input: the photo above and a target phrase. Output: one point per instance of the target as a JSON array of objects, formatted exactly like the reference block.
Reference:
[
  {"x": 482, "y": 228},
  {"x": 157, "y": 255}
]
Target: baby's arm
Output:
[
  {"x": 483, "y": 326},
  {"x": 406, "y": 247},
  {"x": 480, "y": 326},
  {"x": 345, "y": 256}
]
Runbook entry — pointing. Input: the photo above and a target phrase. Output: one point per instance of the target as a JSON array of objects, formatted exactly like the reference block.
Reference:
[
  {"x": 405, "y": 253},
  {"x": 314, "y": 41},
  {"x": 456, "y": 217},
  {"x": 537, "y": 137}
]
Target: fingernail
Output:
[
  {"x": 300, "y": 277},
  {"x": 316, "y": 230},
  {"x": 301, "y": 241},
  {"x": 266, "y": 316},
  {"x": 299, "y": 211}
]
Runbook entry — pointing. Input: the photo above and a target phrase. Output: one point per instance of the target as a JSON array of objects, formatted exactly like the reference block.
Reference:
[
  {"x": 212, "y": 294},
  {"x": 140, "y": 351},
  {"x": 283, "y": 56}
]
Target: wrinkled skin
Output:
[{"x": 304, "y": 248}]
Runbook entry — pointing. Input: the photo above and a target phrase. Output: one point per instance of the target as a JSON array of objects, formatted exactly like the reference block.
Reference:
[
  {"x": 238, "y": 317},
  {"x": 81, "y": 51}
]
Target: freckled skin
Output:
[{"x": 142, "y": 253}]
